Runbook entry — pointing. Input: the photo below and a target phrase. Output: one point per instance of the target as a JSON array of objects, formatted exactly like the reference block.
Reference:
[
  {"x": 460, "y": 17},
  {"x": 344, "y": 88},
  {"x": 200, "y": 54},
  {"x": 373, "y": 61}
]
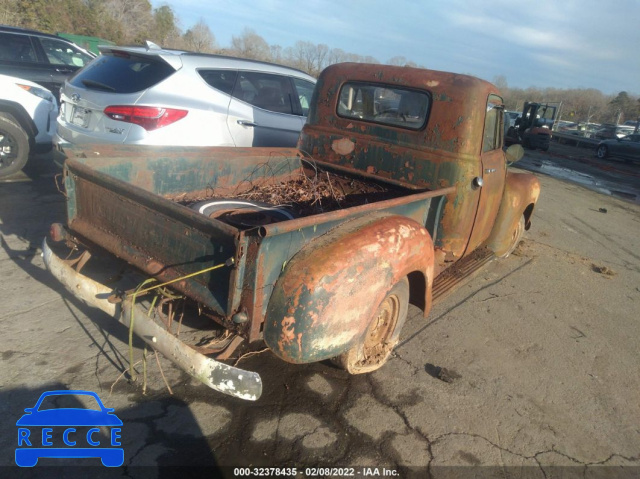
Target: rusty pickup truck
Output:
[{"x": 420, "y": 195}]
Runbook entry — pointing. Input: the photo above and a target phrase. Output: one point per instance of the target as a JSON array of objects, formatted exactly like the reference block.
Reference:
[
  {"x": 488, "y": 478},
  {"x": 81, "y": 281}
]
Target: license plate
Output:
[{"x": 80, "y": 117}]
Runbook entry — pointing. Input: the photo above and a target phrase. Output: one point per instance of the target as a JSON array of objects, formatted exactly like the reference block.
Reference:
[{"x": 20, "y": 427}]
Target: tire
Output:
[
  {"x": 243, "y": 213},
  {"x": 14, "y": 147},
  {"x": 602, "y": 152},
  {"x": 382, "y": 334},
  {"x": 516, "y": 236}
]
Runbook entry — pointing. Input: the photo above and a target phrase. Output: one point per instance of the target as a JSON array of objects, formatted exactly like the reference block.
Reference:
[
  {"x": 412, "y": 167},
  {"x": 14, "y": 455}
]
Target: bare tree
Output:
[
  {"x": 398, "y": 60},
  {"x": 308, "y": 57},
  {"x": 276, "y": 52},
  {"x": 501, "y": 82},
  {"x": 336, "y": 55},
  {"x": 133, "y": 16},
  {"x": 199, "y": 38},
  {"x": 250, "y": 45}
]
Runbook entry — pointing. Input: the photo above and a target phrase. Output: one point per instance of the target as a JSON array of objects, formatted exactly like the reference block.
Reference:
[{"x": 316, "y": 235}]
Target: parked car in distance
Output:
[
  {"x": 40, "y": 57},
  {"x": 609, "y": 131},
  {"x": 562, "y": 125},
  {"x": 152, "y": 96},
  {"x": 584, "y": 130},
  {"x": 627, "y": 147},
  {"x": 28, "y": 114}
]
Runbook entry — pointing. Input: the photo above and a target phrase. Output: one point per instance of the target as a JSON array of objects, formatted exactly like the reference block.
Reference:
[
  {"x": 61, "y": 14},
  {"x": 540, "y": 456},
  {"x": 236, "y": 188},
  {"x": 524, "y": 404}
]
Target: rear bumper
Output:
[{"x": 219, "y": 376}]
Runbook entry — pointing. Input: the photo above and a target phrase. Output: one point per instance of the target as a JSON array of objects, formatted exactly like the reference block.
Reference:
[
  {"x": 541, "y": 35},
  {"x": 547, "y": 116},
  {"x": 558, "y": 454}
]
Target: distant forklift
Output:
[{"x": 533, "y": 128}]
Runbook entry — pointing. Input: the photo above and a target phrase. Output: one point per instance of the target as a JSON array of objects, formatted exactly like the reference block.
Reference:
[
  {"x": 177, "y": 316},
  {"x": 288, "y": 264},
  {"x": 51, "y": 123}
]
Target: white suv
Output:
[
  {"x": 28, "y": 114},
  {"x": 151, "y": 96}
]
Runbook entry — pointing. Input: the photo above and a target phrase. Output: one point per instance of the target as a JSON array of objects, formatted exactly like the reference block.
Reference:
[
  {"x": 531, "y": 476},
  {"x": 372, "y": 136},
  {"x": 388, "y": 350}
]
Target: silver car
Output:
[{"x": 151, "y": 96}]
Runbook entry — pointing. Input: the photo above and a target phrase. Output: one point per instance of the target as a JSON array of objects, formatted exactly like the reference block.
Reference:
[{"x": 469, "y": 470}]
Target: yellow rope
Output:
[{"x": 137, "y": 293}]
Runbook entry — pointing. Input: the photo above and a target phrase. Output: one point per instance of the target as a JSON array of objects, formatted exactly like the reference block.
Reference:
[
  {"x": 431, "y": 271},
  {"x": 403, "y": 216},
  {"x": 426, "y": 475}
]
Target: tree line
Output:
[
  {"x": 587, "y": 105},
  {"x": 128, "y": 22}
]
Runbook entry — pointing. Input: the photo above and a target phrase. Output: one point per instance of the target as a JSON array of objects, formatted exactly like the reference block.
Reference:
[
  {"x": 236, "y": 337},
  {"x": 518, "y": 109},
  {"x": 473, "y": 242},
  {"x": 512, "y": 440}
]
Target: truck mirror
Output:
[{"x": 514, "y": 153}]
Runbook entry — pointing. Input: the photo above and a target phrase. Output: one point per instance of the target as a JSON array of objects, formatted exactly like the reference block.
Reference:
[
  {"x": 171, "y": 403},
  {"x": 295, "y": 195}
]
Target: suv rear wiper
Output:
[{"x": 96, "y": 84}]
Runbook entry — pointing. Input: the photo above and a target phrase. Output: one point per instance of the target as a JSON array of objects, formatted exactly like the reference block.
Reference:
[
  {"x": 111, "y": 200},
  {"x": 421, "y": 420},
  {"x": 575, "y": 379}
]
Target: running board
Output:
[{"x": 452, "y": 277}]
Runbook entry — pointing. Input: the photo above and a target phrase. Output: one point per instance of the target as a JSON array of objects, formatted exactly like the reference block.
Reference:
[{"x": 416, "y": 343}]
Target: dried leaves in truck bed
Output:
[{"x": 312, "y": 192}]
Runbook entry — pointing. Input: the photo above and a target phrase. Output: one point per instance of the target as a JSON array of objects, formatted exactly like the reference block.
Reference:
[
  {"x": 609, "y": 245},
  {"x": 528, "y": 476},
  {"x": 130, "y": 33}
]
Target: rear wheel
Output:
[
  {"x": 602, "y": 152},
  {"x": 14, "y": 147},
  {"x": 382, "y": 334}
]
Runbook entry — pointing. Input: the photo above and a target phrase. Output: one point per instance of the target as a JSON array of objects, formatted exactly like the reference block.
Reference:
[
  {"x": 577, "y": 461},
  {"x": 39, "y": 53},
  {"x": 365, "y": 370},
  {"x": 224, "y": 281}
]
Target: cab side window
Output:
[
  {"x": 493, "y": 122},
  {"x": 223, "y": 80},
  {"x": 266, "y": 91},
  {"x": 61, "y": 53},
  {"x": 16, "y": 48}
]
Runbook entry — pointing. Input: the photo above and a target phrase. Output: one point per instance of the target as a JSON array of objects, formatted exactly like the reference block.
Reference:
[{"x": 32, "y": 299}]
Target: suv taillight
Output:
[{"x": 148, "y": 117}]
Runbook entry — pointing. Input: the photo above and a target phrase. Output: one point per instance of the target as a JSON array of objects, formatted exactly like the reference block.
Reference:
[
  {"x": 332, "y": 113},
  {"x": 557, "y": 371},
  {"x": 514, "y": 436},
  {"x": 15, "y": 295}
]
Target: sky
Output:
[{"x": 539, "y": 43}]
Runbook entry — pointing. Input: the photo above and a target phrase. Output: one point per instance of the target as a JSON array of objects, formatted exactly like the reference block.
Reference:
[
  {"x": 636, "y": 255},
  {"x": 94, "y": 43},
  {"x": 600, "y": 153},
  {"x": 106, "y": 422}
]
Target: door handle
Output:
[
  {"x": 490, "y": 170},
  {"x": 246, "y": 123}
]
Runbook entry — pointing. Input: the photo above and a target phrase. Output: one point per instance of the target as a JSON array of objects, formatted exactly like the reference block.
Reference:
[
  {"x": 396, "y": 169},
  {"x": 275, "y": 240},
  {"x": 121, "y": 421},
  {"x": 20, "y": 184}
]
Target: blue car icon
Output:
[{"x": 41, "y": 433}]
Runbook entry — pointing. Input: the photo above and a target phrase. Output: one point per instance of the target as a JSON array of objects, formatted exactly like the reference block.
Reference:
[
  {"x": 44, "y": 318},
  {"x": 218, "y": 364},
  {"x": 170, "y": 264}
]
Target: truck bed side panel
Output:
[{"x": 281, "y": 241}]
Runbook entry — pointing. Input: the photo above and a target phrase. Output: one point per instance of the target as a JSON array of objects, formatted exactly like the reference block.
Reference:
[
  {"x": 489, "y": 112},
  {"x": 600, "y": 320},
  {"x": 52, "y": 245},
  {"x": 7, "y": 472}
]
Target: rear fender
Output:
[
  {"x": 519, "y": 198},
  {"x": 324, "y": 300}
]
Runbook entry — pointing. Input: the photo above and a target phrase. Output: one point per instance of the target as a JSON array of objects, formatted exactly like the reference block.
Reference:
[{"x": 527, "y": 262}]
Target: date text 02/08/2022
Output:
[{"x": 315, "y": 472}]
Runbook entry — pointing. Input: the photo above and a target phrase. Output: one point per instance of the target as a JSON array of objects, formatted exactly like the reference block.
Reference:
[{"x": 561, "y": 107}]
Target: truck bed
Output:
[{"x": 136, "y": 207}]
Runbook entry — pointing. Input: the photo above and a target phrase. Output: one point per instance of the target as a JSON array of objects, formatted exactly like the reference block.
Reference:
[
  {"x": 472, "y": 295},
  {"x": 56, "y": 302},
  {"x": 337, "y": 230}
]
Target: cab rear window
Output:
[
  {"x": 382, "y": 104},
  {"x": 121, "y": 72}
]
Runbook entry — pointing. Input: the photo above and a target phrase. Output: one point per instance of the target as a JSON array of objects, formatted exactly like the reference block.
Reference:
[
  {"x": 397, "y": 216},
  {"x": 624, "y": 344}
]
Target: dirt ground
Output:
[{"x": 530, "y": 369}]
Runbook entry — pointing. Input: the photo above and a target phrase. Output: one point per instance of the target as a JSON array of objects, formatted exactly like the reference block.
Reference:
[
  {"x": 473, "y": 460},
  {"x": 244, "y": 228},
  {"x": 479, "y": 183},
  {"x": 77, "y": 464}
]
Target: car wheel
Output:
[
  {"x": 374, "y": 349},
  {"x": 14, "y": 147},
  {"x": 242, "y": 213},
  {"x": 602, "y": 152}
]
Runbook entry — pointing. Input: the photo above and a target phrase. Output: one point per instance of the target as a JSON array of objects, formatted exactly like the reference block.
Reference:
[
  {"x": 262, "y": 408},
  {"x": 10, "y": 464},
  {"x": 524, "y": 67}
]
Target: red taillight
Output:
[{"x": 148, "y": 117}]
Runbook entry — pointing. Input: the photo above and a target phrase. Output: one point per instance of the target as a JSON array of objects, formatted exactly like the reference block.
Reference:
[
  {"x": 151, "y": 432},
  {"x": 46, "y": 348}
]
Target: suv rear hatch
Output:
[{"x": 98, "y": 102}]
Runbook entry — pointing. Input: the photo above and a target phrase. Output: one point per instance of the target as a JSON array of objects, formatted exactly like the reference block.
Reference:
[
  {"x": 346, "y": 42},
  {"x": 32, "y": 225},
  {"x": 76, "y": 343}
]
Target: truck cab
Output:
[{"x": 432, "y": 129}]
